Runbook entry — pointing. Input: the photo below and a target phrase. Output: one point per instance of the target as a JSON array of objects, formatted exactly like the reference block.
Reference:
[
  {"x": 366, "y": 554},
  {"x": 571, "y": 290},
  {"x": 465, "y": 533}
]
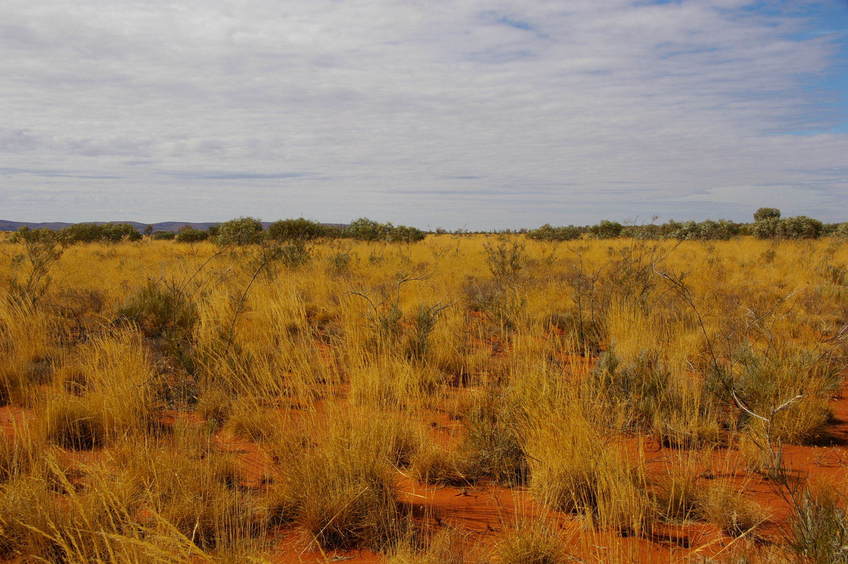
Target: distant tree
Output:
[
  {"x": 548, "y": 232},
  {"x": 188, "y": 234},
  {"x": 763, "y": 214},
  {"x": 241, "y": 231},
  {"x": 606, "y": 229},
  {"x": 106, "y": 232},
  {"x": 148, "y": 230},
  {"x": 367, "y": 229},
  {"x": 297, "y": 230}
]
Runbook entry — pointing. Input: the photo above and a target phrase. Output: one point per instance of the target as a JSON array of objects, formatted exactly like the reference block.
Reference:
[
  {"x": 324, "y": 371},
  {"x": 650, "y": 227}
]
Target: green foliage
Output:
[
  {"x": 298, "y": 230},
  {"x": 42, "y": 248},
  {"x": 549, "y": 233},
  {"x": 188, "y": 234},
  {"x": 606, "y": 230},
  {"x": 160, "y": 309},
  {"x": 505, "y": 259},
  {"x": 764, "y": 214},
  {"x": 365, "y": 229},
  {"x": 163, "y": 235},
  {"x": 241, "y": 231},
  {"x": 800, "y": 227},
  {"x": 705, "y": 230},
  {"x": 100, "y": 232}
]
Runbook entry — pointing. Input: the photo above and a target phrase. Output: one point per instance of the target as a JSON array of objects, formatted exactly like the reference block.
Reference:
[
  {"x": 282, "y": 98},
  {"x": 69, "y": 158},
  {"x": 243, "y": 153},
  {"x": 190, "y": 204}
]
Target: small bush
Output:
[
  {"x": 161, "y": 309},
  {"x": 100, "y": 232},
  {"x": 820, "y": 529},
  {"x": 189, "y": 234},
  {"x": 297, "y": 230},
  {"x": 239, "y": 232}
]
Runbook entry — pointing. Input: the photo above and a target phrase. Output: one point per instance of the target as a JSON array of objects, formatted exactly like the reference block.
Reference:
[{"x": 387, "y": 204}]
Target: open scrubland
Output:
[{"x": 458, "y": 399}]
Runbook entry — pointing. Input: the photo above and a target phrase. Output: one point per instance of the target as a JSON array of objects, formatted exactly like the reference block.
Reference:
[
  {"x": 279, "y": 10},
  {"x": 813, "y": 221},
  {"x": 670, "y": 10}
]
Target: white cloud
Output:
[{"x": 463, "y": 113}]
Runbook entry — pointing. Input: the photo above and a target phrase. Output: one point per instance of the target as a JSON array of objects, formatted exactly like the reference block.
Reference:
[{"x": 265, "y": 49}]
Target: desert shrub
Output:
[
  {"x": 188, "y": 234},
  {"x": 549, "y": 233},
  {"x": 423, "y": 323},
  {"x": 764, "y": 382},
  {"x": 297, "y": 230},
  {"x": 100, "y": 232},
  {"x": 339, "y": 263},
  {"x": 505, "y": 259},
  {"x": 800, "y": 227},
  {"x": 639, "y": 387},
  {"x": 42, "y": 249},
  {"x": 163, "y": 235},
  {"x": 606, "y": 229},
  {"x": 366, "y": 229},
  {"x": 704, "y": 231},
  {"x": 241, "y": 231},
  {"x": 820, "y": 528},
  {"x": 292, "y": 255},
  {"x": 161, "y": 309},
  {"x": 764, "y": 214},
  {"x": 404, "y": 234},
  {"x": 841, "y": 231}
]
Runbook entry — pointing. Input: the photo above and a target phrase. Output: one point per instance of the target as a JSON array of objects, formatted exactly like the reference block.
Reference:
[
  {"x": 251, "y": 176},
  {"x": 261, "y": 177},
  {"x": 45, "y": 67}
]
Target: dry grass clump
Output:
[
  {"x": 445, "y": 546},
  {"x": 494, "y": 446},
  {"x": 74, "y": 424},
  {"x": 437, "y": 464},
  {"x": 532, "y": 541},
  {"x": 729, "y": 509},
  {"x": 820, "y": 527},
  {"x": 570, "y": 473},
  {"x": 341, "y": 487}
]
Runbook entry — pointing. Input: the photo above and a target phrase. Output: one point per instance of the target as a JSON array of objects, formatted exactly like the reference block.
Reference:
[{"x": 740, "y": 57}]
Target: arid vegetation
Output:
[{"x": 241, "y": 397}]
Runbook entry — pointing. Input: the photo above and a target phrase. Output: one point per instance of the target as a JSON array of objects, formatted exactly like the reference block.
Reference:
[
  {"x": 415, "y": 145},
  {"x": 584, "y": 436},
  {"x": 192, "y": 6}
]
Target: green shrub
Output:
[
  {"x": 163, "y": 235},
  {"x": 606, "y": 230},
  {"x": 820, "y": 529},
  {"x": 189, "y": 234},
  {"x": 241, "y": 231},
  {"x": 549, "y": 233},
  {"x": 764, "y": 214},
  {"x": 100, "y": 232},
  {"x": 161, "y": 309},
  {"x": 298, "y": 230}
]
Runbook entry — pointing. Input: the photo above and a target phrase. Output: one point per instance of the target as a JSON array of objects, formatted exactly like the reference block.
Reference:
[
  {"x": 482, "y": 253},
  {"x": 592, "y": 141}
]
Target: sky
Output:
[{"x": 458, "y": 114}]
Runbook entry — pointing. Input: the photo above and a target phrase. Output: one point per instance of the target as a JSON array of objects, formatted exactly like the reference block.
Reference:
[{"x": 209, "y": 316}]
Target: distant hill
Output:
[{"x": 161, "y": 226}]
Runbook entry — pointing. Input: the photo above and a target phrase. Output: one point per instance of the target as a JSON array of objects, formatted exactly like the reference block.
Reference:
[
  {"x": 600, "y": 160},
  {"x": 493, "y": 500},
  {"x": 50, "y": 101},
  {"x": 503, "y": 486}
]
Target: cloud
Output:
[{"x": 467, "y": 113}]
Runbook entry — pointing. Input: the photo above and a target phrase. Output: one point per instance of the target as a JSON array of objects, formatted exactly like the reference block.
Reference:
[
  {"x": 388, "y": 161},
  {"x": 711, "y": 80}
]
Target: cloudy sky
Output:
[{"x": 459, "y": 113}]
